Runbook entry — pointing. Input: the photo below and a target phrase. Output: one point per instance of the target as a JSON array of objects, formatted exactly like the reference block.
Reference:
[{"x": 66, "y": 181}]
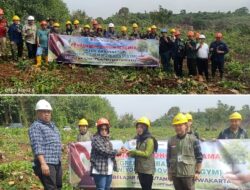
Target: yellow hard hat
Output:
[
  {"x": 180, "y": 118},
  {"x": 124, "y": 29},
  {"x": 135, "y": 25},
  {"x": 68, "y": 22},
  {"x": 189, "y": 116},
  {"x": 76, "y": 22},
  {"x": 149, "y": 29},
  {"x": 15, "y": 18},
  {"x": 83, "y": 122},
  {"x": 56, "y": 24},
  {"x": 144, "y": 120},
  {"x": 172, "y": 30},
  {"x": 153, "y": 27},
  {"x": 86, "y": 26},
  {"x": 235, "y": 115}
]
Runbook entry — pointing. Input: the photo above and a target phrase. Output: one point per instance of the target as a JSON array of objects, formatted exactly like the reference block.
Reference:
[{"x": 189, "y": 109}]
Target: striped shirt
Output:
[{"x": 45, "y": 140}]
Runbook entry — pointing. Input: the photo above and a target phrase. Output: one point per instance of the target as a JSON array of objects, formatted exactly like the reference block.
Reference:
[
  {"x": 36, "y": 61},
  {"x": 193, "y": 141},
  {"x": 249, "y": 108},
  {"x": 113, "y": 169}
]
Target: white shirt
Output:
[
  {"x": 203, "y": 51},
  {"x": 110, "y": 168}
]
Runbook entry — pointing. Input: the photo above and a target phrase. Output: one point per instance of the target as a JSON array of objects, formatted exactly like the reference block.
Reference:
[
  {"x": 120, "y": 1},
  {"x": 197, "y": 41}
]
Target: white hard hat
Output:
[
  {"x": 202, "y": 36},
  {"x": 31, "y": 18},
  {"x": 43, "y": 105},
  {"x": 111, "y": 25}
]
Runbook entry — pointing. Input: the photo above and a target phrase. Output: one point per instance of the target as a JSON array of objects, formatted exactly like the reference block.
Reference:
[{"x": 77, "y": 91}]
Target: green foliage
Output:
[{"x": 41, "y": 9}]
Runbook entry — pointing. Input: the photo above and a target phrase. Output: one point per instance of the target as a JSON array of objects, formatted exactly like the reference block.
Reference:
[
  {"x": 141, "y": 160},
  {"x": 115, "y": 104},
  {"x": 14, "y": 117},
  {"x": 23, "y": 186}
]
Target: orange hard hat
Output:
[
  {"x": 94, "y": 22},
  {"x": 99, "y": 26},
  {"x": 190, "y": 33},
  {"x": 102, "y": 121},
  {"x": 1, "y": 12},
  {"x": 197, "y": 35},
  {"x": 43, "y": 22},
  {"x": 177, "y": 33},
  {"x": 218, "y": 35}
]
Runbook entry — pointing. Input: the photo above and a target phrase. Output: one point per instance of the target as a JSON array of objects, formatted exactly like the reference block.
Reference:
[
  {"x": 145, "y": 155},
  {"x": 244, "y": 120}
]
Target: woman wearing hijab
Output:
[
  {"x": 103, "y": 155},
  {"x": 146, "y": 145}
]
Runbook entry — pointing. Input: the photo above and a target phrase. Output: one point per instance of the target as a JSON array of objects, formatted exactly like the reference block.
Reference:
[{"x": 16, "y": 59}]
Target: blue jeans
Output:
[{"x": 102, "y": 182}]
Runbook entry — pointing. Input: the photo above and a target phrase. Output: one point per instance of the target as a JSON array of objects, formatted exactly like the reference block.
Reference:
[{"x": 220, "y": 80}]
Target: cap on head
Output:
[
  {"x": 145, "y": 121},
  {"x": 102, "y": 121},
  {"x": 190, "y": 34},
  {"x": 180, "y": 118},
  {"x": 135, "y": 25},
  {"x": 235, "y": 115},
  {"x": 83, "y": 122},
  {"x": 76, "y": 22},
  {"x": 16, "y": 18},
  {"x": 43, "y": 105},
  {"x": 31, "y": 18},
  {"x": 202, "y": 36},
  {"x": 111, "y": 25},
  {"x": 189, "y": 116}
]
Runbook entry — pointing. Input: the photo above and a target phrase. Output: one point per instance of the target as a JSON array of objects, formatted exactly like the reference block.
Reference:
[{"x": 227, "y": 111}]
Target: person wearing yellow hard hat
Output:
[
  {"x": 77, "y": 30},
  {"x": 234, "y": 131},
  {"x": 124, "y": 34},
  {"x": 16, "y": 38},
  {"x": 55, "y": 28},
  {"x": 135, "y": 32},
  {"x": 147, "y": 34},
  {"x": 146, "y": 146},
  {"x": 153, "y": 34},
  {"x": 190, "y": 126},
  {"x": 184, "y": 160},
  {"x": 84, "y": 133},
  {"x": 172, "y": 32},
  {"x": 69, "y": 28},
  {"x": 86, "y": 30}
]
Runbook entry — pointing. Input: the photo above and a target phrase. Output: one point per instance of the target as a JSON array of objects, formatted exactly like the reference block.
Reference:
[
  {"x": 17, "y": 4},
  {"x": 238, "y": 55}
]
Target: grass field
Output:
[{"x": 15, "y": 165}]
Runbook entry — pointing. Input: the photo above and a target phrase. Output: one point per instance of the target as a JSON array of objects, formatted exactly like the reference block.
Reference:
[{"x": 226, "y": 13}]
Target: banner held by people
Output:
[
  {"x": 103, "y": 51},
  {"x": 226, "y": 164}
]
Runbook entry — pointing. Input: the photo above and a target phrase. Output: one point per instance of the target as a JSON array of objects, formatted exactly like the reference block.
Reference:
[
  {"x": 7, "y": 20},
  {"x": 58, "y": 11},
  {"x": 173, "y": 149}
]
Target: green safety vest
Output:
[
  {"x": 85, "y": 137},
  {"x": 142, "y": 164},
  {"x": 182, "y": 158}
]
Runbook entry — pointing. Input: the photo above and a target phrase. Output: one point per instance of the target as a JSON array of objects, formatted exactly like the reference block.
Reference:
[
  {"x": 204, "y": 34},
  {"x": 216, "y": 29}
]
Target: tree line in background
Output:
[
  {"x": 68, "y": 110},
  {"x": 57, "y": 9}
]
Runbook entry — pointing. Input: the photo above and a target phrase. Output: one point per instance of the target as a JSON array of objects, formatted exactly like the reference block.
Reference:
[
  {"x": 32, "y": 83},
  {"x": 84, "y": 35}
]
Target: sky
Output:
[
  {"x": 105, "y": 8},
  {"x": 155, "y": 106}
]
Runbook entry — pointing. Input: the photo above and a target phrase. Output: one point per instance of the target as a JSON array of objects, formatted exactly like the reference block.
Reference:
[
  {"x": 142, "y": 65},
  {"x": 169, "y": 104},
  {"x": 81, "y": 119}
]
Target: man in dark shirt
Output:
[
  {"x": 218, "y": 50},
  {"x": 234, "y": 131},
  {"x": 166, "y": 46}
]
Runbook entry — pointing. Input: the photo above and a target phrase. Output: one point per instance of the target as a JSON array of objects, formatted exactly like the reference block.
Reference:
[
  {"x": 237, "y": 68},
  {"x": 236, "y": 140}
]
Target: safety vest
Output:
[
  {"x": 142, "y": 164},
  {"x": 182, "y": 158}
]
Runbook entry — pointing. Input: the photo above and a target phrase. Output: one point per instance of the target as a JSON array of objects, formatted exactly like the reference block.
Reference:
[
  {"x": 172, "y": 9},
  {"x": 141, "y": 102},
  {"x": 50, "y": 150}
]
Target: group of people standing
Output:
[
  {"x": 197, "y": 52},
  {"x": 184, "y": 156},
  {"x": 172, "y": 46}
]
